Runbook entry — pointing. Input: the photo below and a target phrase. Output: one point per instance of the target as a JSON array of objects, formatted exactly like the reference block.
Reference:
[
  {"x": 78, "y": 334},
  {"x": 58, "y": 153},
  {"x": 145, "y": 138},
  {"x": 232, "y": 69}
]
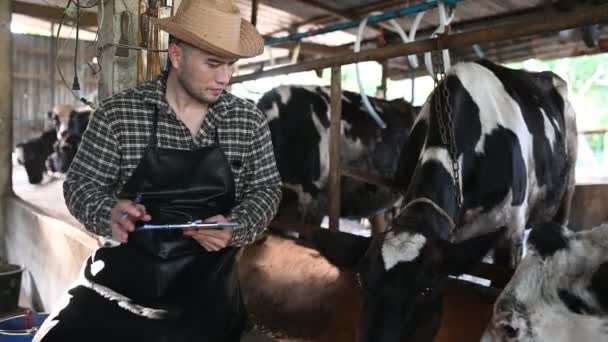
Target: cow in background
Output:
[
  {"x": 515, "y": 133},
  {"x": 559, "y": 292},
  {"x": 55, "y": 148},
  {"x": 32, "y": 154},
  {"x": 298, "y": 117},
  {"x": 65, "y": 148}
]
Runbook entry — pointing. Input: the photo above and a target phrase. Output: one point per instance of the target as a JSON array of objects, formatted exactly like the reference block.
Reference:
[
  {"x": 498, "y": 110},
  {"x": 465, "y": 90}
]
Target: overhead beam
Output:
[
  {"x": 315, "y": 49},
  {"x": 547, "y": 21},
  {"x": 51, "y": 13}
]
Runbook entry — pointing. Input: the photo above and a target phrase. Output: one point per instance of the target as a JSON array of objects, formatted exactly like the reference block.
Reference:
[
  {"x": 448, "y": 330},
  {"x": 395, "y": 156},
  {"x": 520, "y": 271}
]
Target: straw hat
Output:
[{"x": 215, "y": 26}]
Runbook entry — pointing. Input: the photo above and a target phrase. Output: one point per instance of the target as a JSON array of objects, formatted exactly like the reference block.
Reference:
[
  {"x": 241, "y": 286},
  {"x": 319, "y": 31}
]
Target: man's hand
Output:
[
  {"x": 211, "y": 239},
  {"x": 124, "y": 216}
]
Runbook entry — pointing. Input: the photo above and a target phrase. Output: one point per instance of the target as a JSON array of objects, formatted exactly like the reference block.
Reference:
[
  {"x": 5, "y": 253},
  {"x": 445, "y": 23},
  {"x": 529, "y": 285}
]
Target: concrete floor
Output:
[{"x": 47, "y": 196}]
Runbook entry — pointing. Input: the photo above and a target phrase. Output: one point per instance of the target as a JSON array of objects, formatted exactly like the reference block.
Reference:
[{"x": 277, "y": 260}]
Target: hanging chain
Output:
[{"x": 443, "y": 114}]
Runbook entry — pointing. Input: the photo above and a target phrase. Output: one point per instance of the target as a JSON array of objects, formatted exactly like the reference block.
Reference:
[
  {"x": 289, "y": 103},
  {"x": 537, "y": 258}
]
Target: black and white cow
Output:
[
  {"x": 299, "y": 117},
  {"x": 55, "y": 148},
  {"x": 516, "y": 137},
  {"x": 559, "y": 292},
  {"x": 70, "y": 135}
]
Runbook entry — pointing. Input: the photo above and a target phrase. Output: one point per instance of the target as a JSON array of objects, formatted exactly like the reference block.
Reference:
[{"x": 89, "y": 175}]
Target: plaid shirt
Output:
[{"x": 118, "y": 134}]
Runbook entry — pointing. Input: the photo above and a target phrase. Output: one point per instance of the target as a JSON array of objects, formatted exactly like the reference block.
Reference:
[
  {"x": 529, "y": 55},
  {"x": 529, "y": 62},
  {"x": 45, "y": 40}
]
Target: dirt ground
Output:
[{"x": 295, "y": 295}]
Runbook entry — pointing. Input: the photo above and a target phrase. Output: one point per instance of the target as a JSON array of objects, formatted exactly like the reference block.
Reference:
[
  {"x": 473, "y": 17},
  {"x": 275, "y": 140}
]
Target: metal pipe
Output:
[{"x": 355, "y": 23}]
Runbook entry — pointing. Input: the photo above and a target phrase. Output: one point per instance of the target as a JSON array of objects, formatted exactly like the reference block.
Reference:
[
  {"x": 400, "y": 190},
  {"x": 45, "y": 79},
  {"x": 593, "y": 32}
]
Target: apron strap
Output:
[{"x": 152, "y": 140}]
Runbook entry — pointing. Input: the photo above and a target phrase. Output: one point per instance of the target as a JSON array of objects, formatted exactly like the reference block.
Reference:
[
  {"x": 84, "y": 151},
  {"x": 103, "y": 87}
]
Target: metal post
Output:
[
  {"x": 52, "y": 67},
  {"x": 254, "y": 12},
  {"x": 334, "y": 148}
]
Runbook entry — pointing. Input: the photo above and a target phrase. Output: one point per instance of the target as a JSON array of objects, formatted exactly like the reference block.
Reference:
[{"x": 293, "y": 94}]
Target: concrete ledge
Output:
[{"x": 51, "y": 251}]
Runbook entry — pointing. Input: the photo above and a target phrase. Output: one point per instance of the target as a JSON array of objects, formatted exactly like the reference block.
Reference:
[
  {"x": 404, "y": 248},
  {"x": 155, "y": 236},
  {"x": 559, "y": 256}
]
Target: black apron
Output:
[{"x": 163, "y": 269}]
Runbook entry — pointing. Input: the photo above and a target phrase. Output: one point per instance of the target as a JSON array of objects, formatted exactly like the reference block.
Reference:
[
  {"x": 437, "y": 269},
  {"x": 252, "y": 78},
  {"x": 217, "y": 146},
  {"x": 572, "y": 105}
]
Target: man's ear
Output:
[
  {"x": 343, "y": 250},
  {"x": 460, "y": 257},
  {"x": 176, "y": 54}
]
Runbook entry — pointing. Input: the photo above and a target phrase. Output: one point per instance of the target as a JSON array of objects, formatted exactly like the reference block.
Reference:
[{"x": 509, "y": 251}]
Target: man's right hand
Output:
[{"x": 124, "y": 216}]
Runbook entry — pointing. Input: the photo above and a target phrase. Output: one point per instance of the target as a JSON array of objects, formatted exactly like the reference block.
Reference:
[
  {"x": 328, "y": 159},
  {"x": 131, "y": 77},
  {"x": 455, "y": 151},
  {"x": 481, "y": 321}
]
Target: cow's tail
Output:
[{"x": 570, "y": 135}]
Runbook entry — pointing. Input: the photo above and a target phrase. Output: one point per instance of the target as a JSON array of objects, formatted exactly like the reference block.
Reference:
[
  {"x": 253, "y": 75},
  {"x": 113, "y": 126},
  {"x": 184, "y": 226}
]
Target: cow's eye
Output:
[{"x": 427, "y": 292}]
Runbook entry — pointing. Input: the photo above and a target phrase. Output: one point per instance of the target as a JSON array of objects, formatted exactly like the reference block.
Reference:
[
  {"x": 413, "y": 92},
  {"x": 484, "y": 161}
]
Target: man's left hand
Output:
[{"x": 211, "y": 239}]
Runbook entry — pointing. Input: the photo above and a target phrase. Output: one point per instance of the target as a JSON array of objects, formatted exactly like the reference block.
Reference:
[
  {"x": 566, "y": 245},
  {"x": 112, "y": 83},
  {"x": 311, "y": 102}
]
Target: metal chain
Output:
[{"x": 443, "y": 114}]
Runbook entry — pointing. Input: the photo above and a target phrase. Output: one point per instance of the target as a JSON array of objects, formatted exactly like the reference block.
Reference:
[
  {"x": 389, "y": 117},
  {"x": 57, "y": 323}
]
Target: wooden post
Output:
[
  {"x": 254, "y": 12},
  {"x": 334, "y": 148},
  {"x": 6, "y": 119},
  {"x": 117, "y": 73}
]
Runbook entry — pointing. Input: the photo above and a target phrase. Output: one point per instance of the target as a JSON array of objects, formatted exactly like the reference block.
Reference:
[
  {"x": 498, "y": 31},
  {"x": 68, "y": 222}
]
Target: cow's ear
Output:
[
  {"x": 599, "y": 284},
  {"x": 460, "y": 257},
  {"x": 343, "y": 250}
]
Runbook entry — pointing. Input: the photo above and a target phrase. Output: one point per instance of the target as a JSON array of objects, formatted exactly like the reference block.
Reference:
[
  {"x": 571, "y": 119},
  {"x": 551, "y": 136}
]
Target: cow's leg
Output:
[{"x": 508, "y": 252}]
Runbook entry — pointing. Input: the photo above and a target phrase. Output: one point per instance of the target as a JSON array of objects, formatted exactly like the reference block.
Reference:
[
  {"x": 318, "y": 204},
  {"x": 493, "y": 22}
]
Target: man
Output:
[{"x": 175, "y": 151}]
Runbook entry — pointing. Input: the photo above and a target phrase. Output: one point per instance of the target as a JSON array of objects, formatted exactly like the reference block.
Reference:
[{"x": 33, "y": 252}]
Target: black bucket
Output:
[{"x": 10, "y": 287}]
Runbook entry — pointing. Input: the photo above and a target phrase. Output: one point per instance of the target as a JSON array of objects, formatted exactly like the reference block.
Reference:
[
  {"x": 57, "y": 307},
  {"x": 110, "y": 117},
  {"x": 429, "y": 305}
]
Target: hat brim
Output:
[{"x": 250, "y": 43}]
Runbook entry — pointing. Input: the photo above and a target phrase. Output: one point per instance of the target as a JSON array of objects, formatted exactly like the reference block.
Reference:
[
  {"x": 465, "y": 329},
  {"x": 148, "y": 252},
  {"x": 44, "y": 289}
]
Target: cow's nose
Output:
[{"x": 509, "y": 330}]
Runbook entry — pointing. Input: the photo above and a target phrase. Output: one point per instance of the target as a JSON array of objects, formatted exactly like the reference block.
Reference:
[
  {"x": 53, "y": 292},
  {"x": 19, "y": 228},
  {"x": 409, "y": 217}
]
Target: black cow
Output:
[
  {"x": 516, "y": 136},
  {"x": 34, "y": 152},
  {"x": 299, "y": 117}
]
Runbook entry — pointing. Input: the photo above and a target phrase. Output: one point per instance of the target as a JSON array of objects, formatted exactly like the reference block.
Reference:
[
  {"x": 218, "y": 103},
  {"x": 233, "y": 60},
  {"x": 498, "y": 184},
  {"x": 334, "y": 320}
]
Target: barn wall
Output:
[
  {"x": 34, "y": 91},
  {"x": 589, "y": 208},
  {"x": 51, "y": 251}
]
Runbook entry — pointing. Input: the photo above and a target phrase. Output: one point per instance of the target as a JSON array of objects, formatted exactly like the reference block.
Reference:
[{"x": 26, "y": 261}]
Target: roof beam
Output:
[
  {"x": 51, "y": 13},
  {"x": 315, "y": 49}
]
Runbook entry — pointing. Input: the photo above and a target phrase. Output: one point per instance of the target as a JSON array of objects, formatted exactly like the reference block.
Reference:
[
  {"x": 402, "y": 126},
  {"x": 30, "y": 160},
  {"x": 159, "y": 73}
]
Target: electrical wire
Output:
[{"x": 76, "y": 85}]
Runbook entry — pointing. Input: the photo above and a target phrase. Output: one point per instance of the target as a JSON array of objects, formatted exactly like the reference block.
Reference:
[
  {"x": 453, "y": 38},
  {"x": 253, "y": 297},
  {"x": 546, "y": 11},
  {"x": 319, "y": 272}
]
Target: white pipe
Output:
[
  {"x": 370, "y": 109},
  {"x": 413, "y": 59}
]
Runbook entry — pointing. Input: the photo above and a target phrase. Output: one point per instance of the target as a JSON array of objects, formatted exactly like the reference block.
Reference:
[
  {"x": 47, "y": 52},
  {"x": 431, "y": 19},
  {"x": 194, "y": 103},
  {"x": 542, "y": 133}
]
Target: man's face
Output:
[{"x": 204, "y": 76}]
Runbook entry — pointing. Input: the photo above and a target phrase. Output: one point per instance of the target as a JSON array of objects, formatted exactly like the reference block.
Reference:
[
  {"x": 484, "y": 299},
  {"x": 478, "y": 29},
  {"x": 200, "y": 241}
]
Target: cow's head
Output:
[
  {"x": 402, "y": 274},
  {"x": 558, "y": 292}
]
